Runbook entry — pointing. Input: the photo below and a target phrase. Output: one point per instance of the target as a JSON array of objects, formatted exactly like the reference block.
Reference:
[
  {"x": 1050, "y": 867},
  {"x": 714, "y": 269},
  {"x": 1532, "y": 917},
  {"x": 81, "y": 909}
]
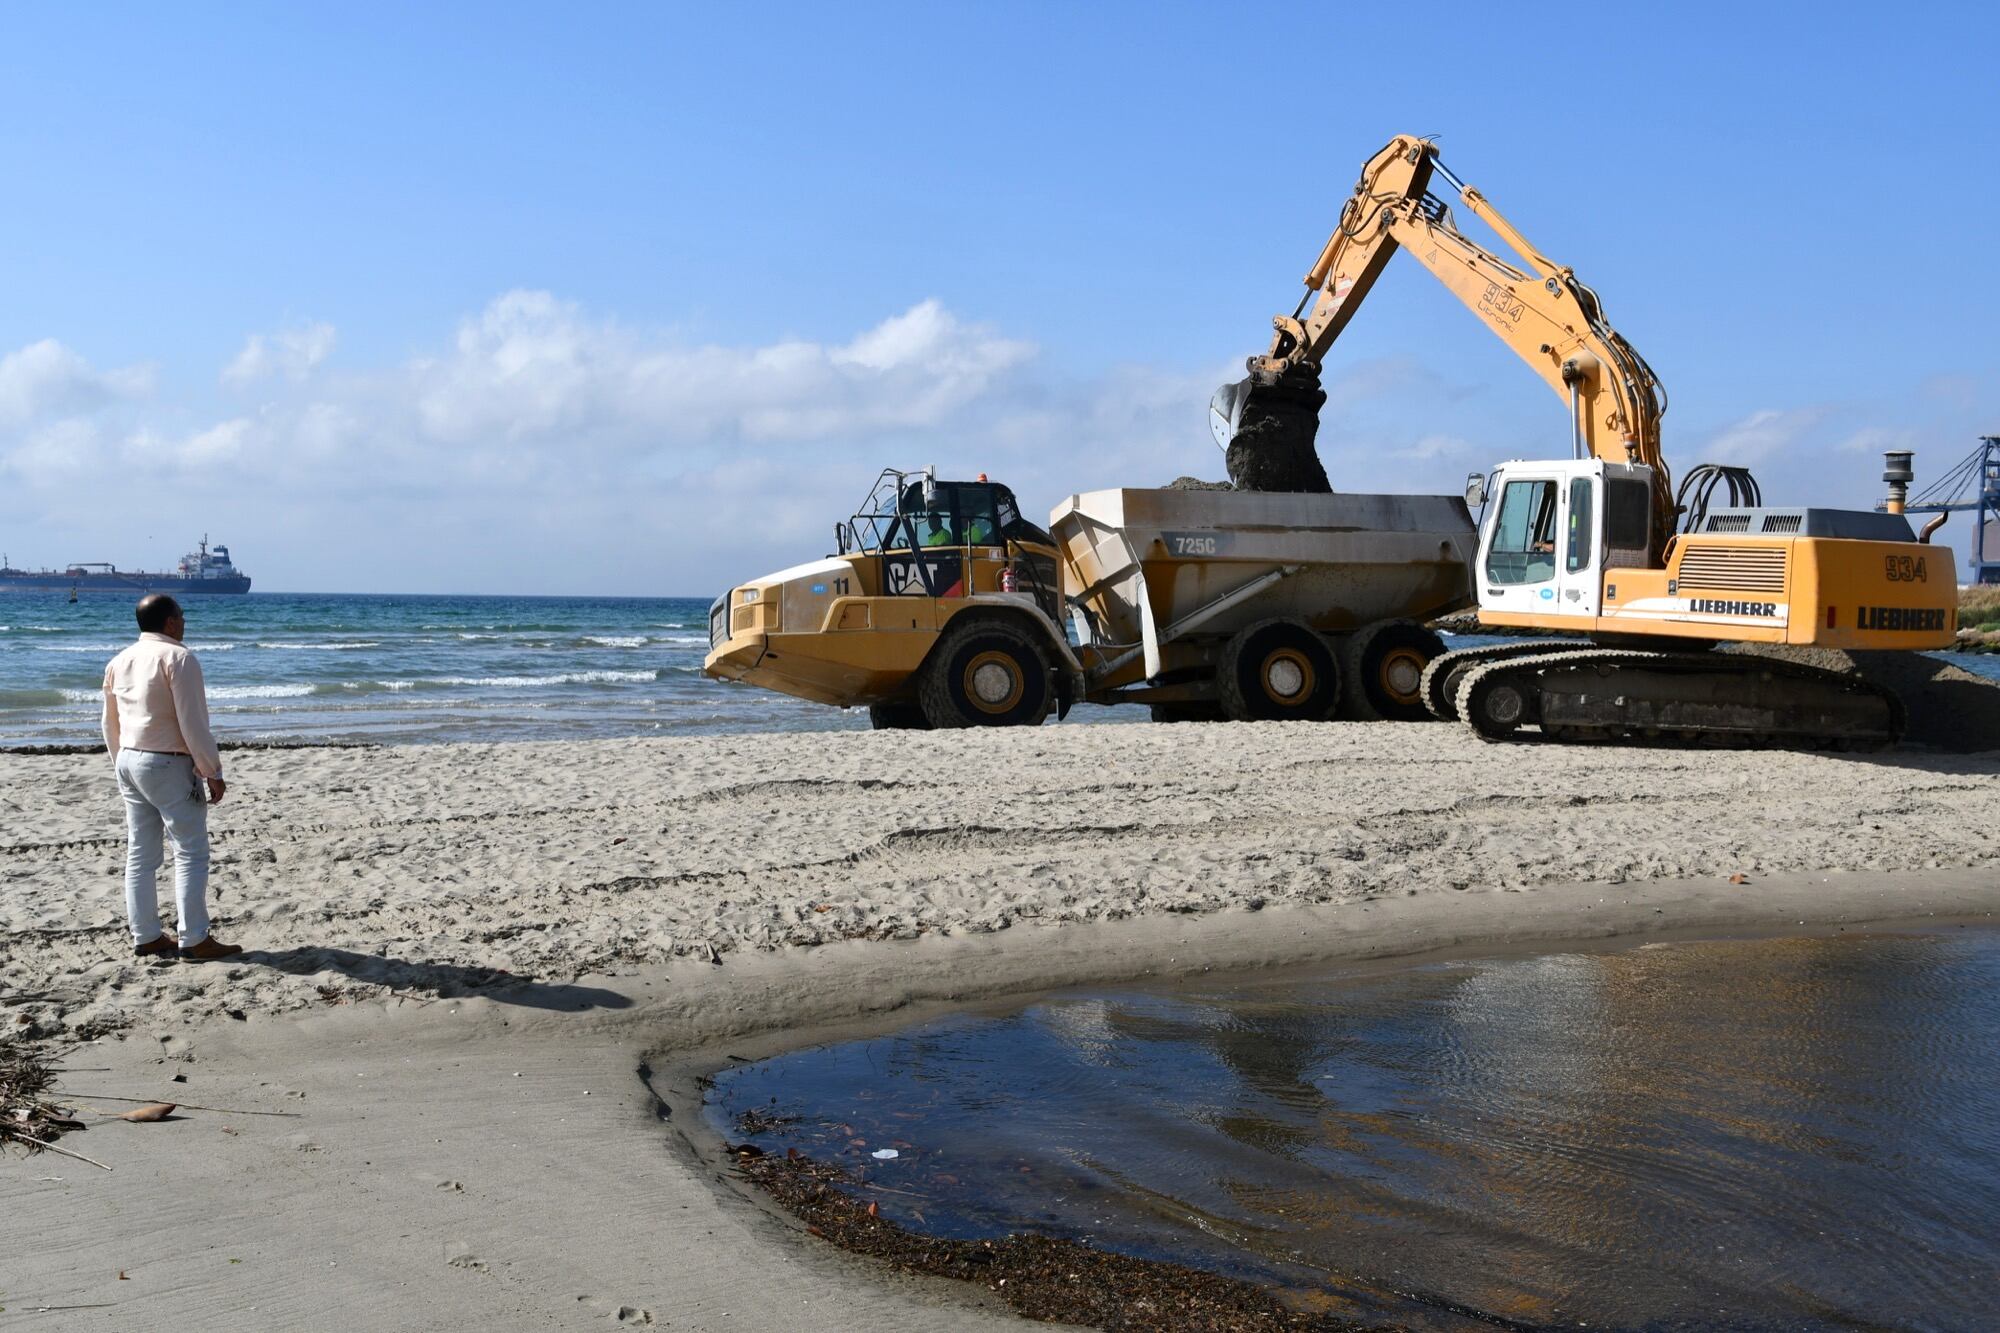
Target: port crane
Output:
[{"x": 1971, "y": 487}]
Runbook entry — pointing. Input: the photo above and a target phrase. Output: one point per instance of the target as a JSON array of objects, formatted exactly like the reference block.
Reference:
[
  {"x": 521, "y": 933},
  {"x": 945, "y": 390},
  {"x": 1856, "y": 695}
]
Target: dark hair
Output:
[{"x": 155, "y": 610}]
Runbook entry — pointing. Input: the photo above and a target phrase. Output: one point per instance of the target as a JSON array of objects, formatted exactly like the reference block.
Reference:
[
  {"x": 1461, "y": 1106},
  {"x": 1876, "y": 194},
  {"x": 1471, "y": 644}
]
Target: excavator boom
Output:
[{"x": 1553, "y": 322}]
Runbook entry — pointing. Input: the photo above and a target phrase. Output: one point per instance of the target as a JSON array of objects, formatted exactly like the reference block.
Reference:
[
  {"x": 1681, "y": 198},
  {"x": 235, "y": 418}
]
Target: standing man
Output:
[{"x": 156, "y": 727}]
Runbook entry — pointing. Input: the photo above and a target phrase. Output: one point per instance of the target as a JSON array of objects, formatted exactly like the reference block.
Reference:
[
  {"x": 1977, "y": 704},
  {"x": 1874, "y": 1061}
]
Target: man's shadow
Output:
[{"x": 447, "y": 981}]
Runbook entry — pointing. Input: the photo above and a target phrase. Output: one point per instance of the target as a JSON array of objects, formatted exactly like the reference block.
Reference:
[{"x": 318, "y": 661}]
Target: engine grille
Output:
[{"x": 1733, "y": 568}]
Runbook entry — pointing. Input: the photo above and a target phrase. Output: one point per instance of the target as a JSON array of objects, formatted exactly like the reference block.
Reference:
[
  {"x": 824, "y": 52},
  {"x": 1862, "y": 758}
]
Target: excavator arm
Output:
[{"x": 1538, "y": 308}]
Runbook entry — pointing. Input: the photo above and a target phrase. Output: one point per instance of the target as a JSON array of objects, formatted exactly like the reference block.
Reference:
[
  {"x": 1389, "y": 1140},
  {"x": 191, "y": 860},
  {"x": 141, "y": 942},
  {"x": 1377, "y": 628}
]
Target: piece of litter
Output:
[
  {"x": 151, "y": 1112},
  {"x": 884, "y": 1154}
]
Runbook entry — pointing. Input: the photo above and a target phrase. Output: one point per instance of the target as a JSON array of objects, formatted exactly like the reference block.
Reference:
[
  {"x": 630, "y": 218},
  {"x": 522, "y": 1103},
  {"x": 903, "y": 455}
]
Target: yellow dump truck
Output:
[{"x": 944, "y": 607}]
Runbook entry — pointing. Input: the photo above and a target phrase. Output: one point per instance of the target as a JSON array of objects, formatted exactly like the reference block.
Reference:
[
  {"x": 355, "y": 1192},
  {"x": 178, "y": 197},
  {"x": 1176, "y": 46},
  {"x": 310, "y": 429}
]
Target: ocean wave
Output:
[
  {"x": 260, "y": 691},
  {"x": 43, "y": 698},
  {"x": 616, "y": 640},
  {"x": 700, "y": 640},
  {"x": 119, "y": 647},
  {"x": 565, "y": 678},
  {"x": 321, "y": 647},
  {"x": 486, "y": 682}
]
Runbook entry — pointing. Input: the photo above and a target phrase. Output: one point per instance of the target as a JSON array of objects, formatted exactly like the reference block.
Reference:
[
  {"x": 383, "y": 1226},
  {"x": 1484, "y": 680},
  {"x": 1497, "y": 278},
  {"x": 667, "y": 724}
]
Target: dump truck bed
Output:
[{"x": 1144, "y": 570}]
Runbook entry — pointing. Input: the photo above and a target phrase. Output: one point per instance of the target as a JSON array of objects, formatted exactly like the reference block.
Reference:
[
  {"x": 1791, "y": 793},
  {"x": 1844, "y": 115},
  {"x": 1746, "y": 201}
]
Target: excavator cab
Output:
[{"x": 1551, "y": 529}]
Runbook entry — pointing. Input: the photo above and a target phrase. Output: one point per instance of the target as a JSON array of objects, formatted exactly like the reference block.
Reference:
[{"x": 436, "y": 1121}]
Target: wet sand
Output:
[{"x": 453, "y": 945}]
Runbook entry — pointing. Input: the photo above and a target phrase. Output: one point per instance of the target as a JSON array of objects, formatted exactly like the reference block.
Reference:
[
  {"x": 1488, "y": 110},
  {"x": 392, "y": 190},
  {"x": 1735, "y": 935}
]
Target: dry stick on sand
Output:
[
  {"x": 184, "y": 1106},
  {"x": 50, "y": 1147}
]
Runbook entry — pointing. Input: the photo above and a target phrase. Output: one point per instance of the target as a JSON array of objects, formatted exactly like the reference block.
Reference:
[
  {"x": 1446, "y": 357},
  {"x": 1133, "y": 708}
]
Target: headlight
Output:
[{"x": 752, "y": 594}]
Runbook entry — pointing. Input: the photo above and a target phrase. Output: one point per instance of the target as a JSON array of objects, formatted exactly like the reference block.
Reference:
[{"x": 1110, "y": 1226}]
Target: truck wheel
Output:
[
  {"x": 986, "y": 673},
  {"x": 1277, "y": 671},
  {"x": 897, "y": 717},
  {"x": 1385, "y": 671}
]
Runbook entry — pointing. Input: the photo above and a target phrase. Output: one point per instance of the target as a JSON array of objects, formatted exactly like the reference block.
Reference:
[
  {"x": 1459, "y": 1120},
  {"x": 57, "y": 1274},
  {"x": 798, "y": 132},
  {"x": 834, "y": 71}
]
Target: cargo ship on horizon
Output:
[{"x": 201, "y": 571}]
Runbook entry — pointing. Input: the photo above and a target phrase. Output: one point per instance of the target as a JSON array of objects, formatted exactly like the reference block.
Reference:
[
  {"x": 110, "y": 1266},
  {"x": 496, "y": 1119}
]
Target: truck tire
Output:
[
  {"x": 897, "y": 717},
  {"x": 1384, "y": 672},
  {"x": 985, "y": 673},
  {"x": 1277, "y": 671}
]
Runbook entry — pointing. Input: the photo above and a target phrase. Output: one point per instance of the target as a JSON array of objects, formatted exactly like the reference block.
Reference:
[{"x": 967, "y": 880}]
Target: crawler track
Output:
[
  {"x": 1598, "y": 694},
  {"x": 1440, "y": 689}
]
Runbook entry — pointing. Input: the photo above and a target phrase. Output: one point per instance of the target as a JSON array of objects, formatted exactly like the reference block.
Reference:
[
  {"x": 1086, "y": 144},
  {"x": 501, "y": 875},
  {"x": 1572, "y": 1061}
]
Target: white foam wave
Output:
[
  {"x": 616, "y": 640},
  {"x": 259, "y": 691},
  {"x": 321, "y": 647},
  {"x": 499, "y": 682},
  {"x": 117, "y": 647},
  {"x": 698, "y": 639},
  {"x": 566, "y": 678}
]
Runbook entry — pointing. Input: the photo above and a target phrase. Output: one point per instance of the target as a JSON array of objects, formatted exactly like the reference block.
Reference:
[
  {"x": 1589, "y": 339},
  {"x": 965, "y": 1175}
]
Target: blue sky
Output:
[{"x": 638, "y": 299}]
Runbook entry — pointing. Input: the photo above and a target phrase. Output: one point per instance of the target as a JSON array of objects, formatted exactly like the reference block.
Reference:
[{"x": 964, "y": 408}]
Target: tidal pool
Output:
[{"x": 1794, "y": 1133}]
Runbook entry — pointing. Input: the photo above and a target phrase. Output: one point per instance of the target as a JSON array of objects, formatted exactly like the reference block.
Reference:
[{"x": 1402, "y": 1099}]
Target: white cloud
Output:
[
  {"x": 1764, "y": 434},
  {"x": 530, "y": 365},
  {"x": 540, "y": 446},
  {"x": 1878, "y": 439},
  {"x": 46, "y": 379},
  {"x": 55, "y": 453},
  {"x": 292, "y": 353}
]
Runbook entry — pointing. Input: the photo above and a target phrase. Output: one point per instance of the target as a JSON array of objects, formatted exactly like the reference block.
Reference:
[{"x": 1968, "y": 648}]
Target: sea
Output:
[{"x": 399, "y": 669}]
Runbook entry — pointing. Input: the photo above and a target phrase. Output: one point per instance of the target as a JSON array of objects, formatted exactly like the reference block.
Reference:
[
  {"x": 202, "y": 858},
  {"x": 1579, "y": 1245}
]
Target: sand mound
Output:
[
  {"x": 1950, "y": 708},
  {"x": 1197, "y": 484}
]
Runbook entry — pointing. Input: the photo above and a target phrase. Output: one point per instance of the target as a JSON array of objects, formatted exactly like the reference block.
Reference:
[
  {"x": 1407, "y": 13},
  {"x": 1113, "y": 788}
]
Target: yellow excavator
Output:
[{"x": 1599, "y": 543}]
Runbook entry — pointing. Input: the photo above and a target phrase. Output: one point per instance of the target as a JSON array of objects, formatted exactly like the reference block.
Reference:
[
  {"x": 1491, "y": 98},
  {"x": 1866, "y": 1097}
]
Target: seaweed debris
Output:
[{"x": 1040, "y": 1277}]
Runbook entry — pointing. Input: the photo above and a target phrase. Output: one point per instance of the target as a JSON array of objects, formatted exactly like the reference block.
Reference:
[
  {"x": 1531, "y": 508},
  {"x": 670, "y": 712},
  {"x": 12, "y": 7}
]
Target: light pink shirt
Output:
[{"x": 154, "y": 700}]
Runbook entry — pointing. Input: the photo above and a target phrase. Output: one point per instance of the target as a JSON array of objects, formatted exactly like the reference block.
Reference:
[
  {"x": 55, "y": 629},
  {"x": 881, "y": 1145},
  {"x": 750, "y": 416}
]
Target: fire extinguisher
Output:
[{"x": 1007, "y": 580}]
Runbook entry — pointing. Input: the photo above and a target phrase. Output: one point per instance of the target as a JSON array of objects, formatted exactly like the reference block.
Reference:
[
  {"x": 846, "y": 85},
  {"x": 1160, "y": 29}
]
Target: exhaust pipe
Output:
[{"x": 1896, "y": 472}]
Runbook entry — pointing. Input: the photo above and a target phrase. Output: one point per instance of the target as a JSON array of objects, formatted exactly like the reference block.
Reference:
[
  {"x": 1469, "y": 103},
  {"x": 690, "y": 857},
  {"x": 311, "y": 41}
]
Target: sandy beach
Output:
[{"x": 482, "y": 979}]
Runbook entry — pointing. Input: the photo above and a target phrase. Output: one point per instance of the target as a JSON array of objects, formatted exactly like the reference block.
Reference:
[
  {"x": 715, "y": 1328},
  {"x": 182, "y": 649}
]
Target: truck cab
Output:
[{"x": 918, "y": 568}]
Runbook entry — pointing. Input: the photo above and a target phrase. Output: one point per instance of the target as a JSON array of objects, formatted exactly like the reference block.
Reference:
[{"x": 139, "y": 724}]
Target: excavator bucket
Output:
[
  {"x": 1267, "y": 431},
  {"x": 1225, "y": 412}
]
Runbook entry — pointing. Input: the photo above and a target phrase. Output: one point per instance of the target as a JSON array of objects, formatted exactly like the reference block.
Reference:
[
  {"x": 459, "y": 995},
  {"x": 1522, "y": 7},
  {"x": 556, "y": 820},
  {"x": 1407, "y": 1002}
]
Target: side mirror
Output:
[
  {"x": 1475, "y": 490},
  {"x": 930, "y": 487},
  {"x": 840, "y": 537}
]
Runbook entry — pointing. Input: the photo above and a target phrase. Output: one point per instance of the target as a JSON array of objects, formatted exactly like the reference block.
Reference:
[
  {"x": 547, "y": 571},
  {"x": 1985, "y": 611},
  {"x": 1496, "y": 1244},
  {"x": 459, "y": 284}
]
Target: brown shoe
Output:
[
  {"x": 209, "y": 950},
  {"x": 161, "y": 945}
]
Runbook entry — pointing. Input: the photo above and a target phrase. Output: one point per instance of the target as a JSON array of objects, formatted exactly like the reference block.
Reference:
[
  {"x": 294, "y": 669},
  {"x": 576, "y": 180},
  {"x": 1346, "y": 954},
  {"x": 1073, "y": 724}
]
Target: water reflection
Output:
[{"x": 1777, "y": 1132}]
